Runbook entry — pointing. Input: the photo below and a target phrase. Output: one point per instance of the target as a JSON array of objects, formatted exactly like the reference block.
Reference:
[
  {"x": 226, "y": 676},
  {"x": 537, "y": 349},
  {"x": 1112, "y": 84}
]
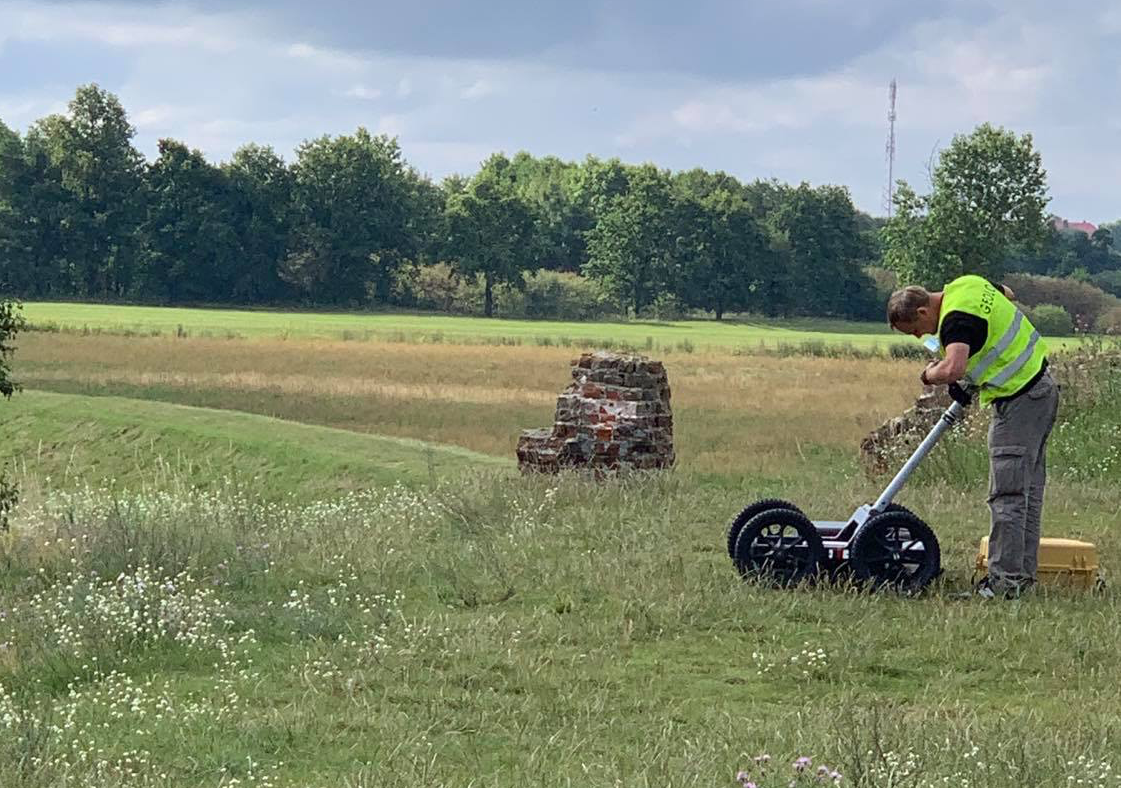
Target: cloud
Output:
[
  {"x": 480, "y": 88},
  {"x": 326, "y": 58},
  {"x": 175, "y": 27},
  {"x": 362, "y": 92},
  {"x": 795, "y": 90},
  {"x": 154, "y": 117},
  {"x": 391, "y": 125}
]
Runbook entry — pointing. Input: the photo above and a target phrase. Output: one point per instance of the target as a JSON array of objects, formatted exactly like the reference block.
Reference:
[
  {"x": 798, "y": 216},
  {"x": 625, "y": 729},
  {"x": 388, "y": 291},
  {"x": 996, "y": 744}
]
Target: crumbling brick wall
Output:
[
  {"x": 898, "y": 436},
  {"x": 615, "y": 414}
]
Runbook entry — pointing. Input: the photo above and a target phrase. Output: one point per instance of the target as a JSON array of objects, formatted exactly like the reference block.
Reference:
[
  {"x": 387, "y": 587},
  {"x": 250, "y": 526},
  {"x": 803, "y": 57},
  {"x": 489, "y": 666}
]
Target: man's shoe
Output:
[
  {"x": 982, "y": 590},
  {"x": 1019, "y": 589}
]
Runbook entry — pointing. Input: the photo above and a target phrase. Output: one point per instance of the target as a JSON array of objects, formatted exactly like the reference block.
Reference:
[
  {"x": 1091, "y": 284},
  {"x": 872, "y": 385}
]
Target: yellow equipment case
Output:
[{"x": 1062, "y": 562}]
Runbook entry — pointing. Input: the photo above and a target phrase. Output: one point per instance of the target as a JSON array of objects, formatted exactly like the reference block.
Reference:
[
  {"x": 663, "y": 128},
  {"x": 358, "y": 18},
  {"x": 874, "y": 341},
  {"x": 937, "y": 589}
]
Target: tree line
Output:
[{"x": 349, "y": 223}]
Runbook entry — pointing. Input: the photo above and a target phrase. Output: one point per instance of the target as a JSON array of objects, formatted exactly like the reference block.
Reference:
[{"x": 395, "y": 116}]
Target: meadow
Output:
[
  {"x": 420, "y": 328},
  {"x": 286, "y": 558}
]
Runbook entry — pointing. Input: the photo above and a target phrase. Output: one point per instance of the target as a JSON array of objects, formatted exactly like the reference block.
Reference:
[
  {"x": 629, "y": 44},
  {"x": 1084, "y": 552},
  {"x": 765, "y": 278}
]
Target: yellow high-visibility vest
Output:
[{"x": 1013, "y": 352}]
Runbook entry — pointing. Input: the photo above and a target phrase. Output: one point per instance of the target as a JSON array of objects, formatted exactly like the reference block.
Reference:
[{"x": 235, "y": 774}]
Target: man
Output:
[{"x": 986, "y": 342}]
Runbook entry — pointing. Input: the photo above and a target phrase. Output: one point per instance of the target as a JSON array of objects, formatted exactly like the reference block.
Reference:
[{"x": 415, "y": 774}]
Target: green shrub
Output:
[
  {"x": 428, "y": 286},
  {"x": 1109, "y": 281},
  {"x": 900, "y": 350},
  {"x": 666, "y": 306},
  {"x": 1084, "y": 302},
  {"x": 1110, "y": 322},
  {"x": 560, "y": 295},
  {"x": 1085, "y": 443},
  {"x": 9, "y": 498},
  {"x": 1051, "y": 320}
]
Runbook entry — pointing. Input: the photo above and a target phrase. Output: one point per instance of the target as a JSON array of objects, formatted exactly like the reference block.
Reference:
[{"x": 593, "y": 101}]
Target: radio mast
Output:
[{"x": 890, "y": 147}]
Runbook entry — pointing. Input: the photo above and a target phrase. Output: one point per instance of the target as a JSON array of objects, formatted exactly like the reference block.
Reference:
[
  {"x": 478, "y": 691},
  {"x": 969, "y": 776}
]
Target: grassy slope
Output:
[
  {"x": 220, "y": 322},
  {"x": 133, "y": 440},
  {"x": 546, "y": 632}
]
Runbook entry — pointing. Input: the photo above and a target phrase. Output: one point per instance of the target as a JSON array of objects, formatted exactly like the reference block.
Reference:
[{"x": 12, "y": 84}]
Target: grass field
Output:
[
  {"x": 254, "y": 602},
  {"x": 136, "y": 442},
  {"x": 735, "y": 415},
  {"x": 232, "y": 323}
]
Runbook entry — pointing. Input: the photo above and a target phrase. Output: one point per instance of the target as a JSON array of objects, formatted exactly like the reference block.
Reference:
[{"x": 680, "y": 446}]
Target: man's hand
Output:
[
  {"x": 949, "y": 369},
  {"x": 926, "y": 371}
]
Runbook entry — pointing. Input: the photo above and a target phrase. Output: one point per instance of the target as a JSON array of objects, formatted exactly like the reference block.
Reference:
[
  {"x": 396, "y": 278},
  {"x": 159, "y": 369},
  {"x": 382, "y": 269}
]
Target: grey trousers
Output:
[{"x": 1017, "y": 475}]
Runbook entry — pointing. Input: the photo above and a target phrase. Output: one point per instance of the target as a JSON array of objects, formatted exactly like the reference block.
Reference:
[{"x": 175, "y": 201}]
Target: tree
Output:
[
  {"x": 35, "y": 211},
  {"x": 988, "y": 199},
  {"x": 11, "y": 323},
  {"x": 1102, "y": 238},
  {"x": 14, "y": 235},
  {"x": 353, "y": 200},
  {"x": 489, "y": 229},
  {"x": 549, "y": 187},
  {"x": 727, "y": 253},
  {"x": 261, "y": 202},
  {"x": 101, "y": 173},
  {"x": 633, "y": 248},
  {"x": 818, "y": 235},
  {"x": 192, "y": 250}
]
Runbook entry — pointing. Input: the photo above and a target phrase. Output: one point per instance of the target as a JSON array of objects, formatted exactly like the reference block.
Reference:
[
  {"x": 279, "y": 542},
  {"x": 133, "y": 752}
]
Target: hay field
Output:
[{"x": 734, "y": 414}]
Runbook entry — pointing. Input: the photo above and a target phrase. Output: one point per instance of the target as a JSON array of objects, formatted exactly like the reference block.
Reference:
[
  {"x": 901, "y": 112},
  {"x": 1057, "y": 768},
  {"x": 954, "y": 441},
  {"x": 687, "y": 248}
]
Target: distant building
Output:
[{"x": 1062, "y": 224}]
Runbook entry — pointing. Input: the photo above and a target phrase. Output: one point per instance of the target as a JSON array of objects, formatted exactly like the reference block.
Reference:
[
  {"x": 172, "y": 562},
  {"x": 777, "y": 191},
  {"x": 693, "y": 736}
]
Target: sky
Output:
[{"x": 790, "y": 89}]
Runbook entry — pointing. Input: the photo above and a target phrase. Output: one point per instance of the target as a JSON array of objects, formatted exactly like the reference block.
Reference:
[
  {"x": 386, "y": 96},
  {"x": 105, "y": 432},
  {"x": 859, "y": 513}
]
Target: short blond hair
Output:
[{"x": 903, "y": 306}]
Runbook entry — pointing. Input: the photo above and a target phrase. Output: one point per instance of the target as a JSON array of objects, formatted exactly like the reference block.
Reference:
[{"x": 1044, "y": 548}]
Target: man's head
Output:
[{"x": 911, "y": 311}]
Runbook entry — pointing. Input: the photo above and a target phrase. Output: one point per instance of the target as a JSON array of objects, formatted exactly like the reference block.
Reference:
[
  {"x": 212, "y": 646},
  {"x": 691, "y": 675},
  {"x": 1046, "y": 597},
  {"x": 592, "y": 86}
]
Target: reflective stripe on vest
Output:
[{"x": 1013, "y": 351}]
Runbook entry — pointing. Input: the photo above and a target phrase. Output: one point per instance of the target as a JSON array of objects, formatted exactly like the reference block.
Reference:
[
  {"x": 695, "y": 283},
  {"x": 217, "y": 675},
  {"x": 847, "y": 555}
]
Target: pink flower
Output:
[{"x": 802, "y": 764}]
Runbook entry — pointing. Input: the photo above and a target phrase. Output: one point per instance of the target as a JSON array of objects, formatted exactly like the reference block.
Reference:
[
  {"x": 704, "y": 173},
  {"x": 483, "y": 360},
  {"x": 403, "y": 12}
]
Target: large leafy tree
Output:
[
  {"x": 15, "y": 237},
  {"x": 35, "y": 211},
  {"x": 549, "y": 187},
  {"x": 634, "y": 248},
  {"x": 824, "y": 250},
  {"x": 988, "y": 201},
  {"x": 100, "y": 172},
  {"x": 354, "y": 221},
  {"x": 726, "y": 255},
  {"x": 489, "y": 229},
  {"x": 192, "y": 250},
  {"x": 260, "y": 194}
]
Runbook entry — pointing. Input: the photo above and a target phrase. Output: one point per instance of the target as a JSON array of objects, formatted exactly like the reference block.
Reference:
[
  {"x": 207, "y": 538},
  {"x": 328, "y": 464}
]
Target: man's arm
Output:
[
  {"x": 1003, "y": 288},
  {"x": 950, "y": 369}
]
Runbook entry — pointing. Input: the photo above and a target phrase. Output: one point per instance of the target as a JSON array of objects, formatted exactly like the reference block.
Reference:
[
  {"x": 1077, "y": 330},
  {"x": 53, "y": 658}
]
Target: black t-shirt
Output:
[{"x": 968, "y": 329}]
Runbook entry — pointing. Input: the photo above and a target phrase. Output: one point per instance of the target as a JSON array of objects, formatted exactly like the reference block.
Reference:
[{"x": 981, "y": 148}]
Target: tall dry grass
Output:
[{"x": 749, "y": 413}]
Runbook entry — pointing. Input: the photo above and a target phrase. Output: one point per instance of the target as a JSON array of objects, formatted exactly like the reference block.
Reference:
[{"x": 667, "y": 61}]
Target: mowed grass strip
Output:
[
  {"x": 686, "y": 334},
  {"x": 733, "y": 414},
  {"x": 72, "y": 437}
]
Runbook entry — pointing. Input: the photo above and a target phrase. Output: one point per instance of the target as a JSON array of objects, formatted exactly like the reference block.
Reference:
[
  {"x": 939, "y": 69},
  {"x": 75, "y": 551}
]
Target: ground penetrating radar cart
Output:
[{"x": 881, "y": 545}]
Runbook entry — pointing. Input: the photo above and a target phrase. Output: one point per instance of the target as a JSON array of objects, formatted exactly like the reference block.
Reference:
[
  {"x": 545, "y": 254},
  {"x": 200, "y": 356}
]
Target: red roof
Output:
[{"x": 1063, "y": 224}]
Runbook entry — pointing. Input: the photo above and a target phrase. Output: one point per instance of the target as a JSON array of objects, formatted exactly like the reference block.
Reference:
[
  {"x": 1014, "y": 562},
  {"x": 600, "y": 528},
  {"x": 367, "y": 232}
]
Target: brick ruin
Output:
[
  {"x": 898, "y": 436},
  {"x": 614, "y": 415}
]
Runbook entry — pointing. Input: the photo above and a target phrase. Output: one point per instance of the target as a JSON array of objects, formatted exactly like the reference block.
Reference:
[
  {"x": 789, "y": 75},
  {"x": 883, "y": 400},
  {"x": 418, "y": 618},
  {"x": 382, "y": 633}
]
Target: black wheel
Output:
[
  {"x": 898, "y": 507},
  {"x": 895, "y": 550},
  {"x": 752, "y": 510},
  {"x": 780, "y": 547}
]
